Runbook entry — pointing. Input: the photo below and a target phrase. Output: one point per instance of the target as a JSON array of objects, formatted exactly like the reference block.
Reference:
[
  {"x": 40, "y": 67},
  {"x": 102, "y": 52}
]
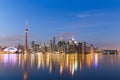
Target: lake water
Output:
[{"x": 59, "y": 67}]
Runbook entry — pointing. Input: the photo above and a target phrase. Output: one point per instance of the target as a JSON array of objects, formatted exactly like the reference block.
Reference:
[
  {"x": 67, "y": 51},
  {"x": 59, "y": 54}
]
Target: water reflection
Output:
[
  {"x": 96, "y": 60},
  {"x": 24, "y": 64},
  {"x": 8, "y": 58},
  {"x": 70, "y": 63},
  {"x": 63, "y": 61}
]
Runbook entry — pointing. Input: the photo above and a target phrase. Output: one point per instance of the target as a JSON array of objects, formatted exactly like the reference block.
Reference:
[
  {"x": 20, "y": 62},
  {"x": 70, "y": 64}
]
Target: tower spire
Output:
[
  {"x": 26, "y": 37},
  {"x": 61, "y": 37},
  {"x": 26, "y": 24}
]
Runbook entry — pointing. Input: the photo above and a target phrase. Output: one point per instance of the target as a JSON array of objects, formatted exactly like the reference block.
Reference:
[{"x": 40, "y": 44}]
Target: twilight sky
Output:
[{"x": 94, "y": 21}]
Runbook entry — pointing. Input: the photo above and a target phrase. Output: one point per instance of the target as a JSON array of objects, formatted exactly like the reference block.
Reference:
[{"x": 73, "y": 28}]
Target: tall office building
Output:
[
  {"x": 79, "y": 48},
  {"x": 26, "y": 38},
  {"x": 37, "y": 48},
  {"x": 92, "y": 49},
  {"x": 52, "y": 45},
  {"x": 61, "y": 46},
  {"x": 84, "y": 48},
  {"x": 53, "y": 40},
  {"x": 72, "y": 45},
  {"x": 33, "y": 46}
]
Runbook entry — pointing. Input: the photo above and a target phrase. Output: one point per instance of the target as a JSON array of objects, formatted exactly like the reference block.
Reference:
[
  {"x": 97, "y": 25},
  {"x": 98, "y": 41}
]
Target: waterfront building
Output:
[
  {"x": 89, "y": 49},
  {"x": 45, "y": 48},
  {"x": 61, "y": 46},
  {"x": 10, "y": 50},
  {"x": 33, "y": 46},
  {"x": 0, "y": 48},
  {"x": 110, "y": 52},
  {"x": 41, "y": 46},
  {"x": 37, "y": 48},
  {"x": 72, "y": 46},
  {"x": 96, "y": 50},
  {"x": 19, "y": 48},
  {"x": 84, "y": 48},
  {"x": 79, "y": 48},
  {"x": 92, "y": 50},
  {"x": 52, "y": 45},
  {"x": 67, "y": 47}
]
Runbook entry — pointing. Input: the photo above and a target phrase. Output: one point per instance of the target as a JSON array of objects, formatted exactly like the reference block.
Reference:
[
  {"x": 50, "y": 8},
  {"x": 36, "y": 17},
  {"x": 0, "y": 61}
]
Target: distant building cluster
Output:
[{"x": 62, "y": 46}]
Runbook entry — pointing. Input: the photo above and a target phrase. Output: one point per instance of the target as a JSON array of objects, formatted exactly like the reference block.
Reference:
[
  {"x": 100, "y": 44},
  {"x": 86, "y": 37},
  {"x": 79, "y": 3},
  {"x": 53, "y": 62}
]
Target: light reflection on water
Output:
[{"x": 54, "y": 63}]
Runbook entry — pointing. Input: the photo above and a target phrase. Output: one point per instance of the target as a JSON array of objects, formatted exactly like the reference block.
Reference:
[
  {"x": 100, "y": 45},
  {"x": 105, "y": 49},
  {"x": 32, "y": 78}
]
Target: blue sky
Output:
[{"x": 94, "y": 21}]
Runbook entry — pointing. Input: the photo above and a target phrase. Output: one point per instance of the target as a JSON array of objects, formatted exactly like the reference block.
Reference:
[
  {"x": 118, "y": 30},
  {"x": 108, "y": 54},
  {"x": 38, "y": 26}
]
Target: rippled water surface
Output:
[{"x": 59, "y": 67}]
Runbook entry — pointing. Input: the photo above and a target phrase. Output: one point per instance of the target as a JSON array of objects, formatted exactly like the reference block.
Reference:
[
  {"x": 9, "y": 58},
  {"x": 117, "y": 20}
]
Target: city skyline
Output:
[{"x": 93, "y": 21}]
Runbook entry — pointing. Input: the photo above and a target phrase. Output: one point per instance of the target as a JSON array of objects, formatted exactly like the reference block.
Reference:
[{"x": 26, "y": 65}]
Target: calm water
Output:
[{"x": 59, "y": 67}]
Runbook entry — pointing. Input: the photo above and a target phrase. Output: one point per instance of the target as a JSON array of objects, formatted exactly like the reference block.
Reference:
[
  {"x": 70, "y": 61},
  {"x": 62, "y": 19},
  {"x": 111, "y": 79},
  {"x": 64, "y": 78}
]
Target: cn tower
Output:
[{"x": 26, "y": 38}]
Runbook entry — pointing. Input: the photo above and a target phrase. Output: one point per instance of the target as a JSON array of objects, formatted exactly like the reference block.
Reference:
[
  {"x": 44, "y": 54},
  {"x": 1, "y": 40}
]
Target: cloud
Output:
[
  {"x": 92, "y": 13},
  {"x": 83, "y": 15},
  {"x": 12, "y": 40}
]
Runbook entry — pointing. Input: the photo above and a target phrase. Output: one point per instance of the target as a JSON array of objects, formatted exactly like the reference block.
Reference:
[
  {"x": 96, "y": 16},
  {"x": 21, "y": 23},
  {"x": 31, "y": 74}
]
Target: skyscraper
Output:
[
  {"x": 52, "y": 45},
  {"x": 26, "y": 38},
  {"x": 84, "y": 47},
  {"x": 33, "y": 46}
]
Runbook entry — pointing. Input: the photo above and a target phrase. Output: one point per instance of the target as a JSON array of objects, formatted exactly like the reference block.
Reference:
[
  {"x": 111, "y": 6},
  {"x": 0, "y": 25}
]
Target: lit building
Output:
[
  {"x": 61, "y": 46},
  {"x": 40, "y": 46},
  {"x": 110, "y": 52},
  {"x": 72, "y": 46},
  {"x": 10, "y": 50},
  {"x": 84, "y": 47},
  {"x": 79, "y": 48},
  {"x": 52, "y": 45},
  {"x": 33, "y": 45},
  {"x": 92, "y": 50},
  {"x": 37, "y": 48},
  {"x": 45, "y": 48},
  {"x": 20, "y": 48}
]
